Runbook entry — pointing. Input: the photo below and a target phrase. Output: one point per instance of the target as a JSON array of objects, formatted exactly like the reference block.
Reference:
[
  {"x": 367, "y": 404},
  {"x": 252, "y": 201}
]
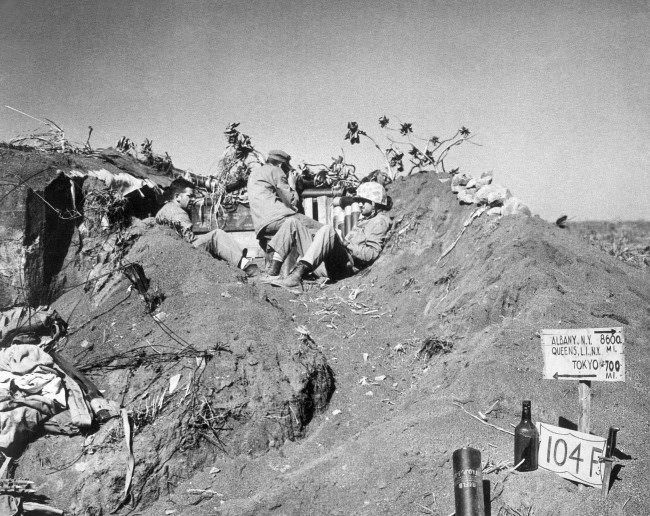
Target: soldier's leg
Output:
[
  {"x": 221, "y": 245},
  {"x": 292, "y": 233},
  {"x": 311, "y": 224},
  {"x": 327, "y": 248}
]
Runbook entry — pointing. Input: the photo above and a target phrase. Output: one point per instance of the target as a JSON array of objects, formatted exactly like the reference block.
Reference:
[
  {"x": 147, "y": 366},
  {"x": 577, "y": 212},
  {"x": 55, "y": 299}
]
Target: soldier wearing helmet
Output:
[{"x": 341, "y": 256}]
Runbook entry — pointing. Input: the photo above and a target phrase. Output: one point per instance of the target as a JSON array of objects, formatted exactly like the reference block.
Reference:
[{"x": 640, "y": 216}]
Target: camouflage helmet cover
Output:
[{"x": 372, "y": 191}]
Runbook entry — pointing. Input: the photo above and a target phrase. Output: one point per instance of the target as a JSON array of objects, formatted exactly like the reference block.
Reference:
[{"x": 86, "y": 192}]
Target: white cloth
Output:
[{"x": 31, "y": 391}]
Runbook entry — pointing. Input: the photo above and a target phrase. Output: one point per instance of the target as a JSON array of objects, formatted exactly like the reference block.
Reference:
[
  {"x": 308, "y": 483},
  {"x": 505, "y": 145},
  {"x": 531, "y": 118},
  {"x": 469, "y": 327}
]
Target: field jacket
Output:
[
  {"x": 366, "y": 240},
  {"x": 171, "y": 214},
  {"x": 270, "y": 196}
]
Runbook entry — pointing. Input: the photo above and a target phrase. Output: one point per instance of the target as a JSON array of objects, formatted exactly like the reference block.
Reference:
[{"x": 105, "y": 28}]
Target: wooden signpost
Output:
[
  {"x": 586, "y": 355},
  {"x": 589, "y": 354}
]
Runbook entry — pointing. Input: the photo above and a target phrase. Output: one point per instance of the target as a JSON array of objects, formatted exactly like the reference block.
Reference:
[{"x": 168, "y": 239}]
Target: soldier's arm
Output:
[
  {"x": 286, "y": 194},
  {"x": 370, "y": 248}
]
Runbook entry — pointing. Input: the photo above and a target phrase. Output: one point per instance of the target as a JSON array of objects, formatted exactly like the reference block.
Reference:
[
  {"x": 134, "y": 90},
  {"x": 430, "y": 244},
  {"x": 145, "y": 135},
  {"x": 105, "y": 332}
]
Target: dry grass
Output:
[{"x": 627, "y": 241}]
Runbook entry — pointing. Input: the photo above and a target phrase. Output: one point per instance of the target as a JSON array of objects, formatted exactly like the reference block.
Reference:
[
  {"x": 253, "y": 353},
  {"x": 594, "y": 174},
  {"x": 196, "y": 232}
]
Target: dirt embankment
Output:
[
  {"x": 251, "y": 438},
  {"x": 247, "y": 382},
  {"x": 480, "y": 308}
]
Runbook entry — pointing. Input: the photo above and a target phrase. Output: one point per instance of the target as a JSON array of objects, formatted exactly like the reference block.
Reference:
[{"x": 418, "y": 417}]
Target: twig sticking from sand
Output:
[
  {"x": 483, "y": 422},
  {"x": 424, "y": 507}
]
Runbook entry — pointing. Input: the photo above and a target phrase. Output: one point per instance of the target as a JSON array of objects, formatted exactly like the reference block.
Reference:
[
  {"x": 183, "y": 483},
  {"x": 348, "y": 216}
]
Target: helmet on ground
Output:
[{"x": 372, "y": 192}]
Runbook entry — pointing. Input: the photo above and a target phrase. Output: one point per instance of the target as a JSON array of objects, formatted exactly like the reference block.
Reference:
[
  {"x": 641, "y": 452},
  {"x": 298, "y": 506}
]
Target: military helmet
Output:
[{"x": 372, "y": 191}]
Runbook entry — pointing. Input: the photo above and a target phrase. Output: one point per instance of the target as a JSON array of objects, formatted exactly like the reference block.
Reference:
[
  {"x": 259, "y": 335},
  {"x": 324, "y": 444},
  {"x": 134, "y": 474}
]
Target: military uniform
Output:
[
  {"x": 360, "y": 247},
  {"x": 217, "y": 242},
  {"x": 272, "y": 202}
]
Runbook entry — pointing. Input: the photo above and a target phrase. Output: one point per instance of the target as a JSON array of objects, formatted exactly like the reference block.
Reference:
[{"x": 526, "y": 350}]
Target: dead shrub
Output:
[{"x": 434, "y": 346}]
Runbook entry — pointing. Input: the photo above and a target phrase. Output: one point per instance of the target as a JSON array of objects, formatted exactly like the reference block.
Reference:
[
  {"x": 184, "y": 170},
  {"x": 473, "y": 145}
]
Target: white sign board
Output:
[
  {"x": 572, "y": 455},
  {"x": 596, "y": 354}
]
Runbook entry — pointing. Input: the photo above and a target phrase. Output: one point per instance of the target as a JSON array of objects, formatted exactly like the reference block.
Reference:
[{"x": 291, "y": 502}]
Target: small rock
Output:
[
  {"x": 380, "y": 378},
  {"x": 226, "y": 294},
  {"x": 494, "y": 211},
  {"x": 214, "y": 470},
  {"x": 336, "y": 412},
  {"x": 460, "y": 180},
  {"x": 492, "y": 194},
  {"x": 514, "y": 206},
  {"x": 483, "y": 180},
  {"x": 365, "y": 357},
  {"x": 370, "y": 393},
  {"x": 498, "y": 197},
  {"x": 86, "y": 345},
  {"x": 160, "y": 316},
  {"x": 464, "y": 197},
  {"x": 170, "y": 511}
]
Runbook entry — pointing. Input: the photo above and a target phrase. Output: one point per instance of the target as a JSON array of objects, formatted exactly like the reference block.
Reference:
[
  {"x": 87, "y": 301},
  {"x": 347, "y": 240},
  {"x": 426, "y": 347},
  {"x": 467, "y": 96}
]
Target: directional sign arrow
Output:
[
  {"x": 557, "y": 375},
  {"x": 611, "y": 332}
]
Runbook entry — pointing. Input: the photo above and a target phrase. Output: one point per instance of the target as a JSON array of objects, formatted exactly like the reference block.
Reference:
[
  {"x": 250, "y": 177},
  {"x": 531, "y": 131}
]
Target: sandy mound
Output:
[
  {"x": 257, "y": 431},
  {"x": 389, "y": 450},
  {"x": 248, "y": 380}
]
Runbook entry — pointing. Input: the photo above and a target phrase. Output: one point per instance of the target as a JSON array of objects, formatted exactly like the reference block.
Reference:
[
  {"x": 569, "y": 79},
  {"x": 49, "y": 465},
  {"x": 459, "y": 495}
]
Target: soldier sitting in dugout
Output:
[
  {"x": 218, "y": 243},
  {"x": 341, "y": 257},
  {"x": 274, "y": 199}
]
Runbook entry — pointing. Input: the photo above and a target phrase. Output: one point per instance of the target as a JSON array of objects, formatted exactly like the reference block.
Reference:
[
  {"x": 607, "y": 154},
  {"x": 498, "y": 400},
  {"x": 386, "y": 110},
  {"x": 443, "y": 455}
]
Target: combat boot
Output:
[
  {"x": 252, "y": 270},
  {"x": 294, "y": 279},
  {"x": 274, "y": 268}
]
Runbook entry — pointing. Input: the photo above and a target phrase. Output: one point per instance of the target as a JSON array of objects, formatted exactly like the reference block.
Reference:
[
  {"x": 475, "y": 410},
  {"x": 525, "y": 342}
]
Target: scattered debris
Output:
[
  {"x": 135, "y": 274},
  {"x": 205, "y": 491},
  {"x": 475, "y": 214},
  {"x": 432, "y": 346},
  {"x": 354, "y": 294},
  {"x": 128, "y": 439},
  {"x": 173, "y": 383},
  {"x": 483, "y": 415},
  {"x": 481, "y": 420}
]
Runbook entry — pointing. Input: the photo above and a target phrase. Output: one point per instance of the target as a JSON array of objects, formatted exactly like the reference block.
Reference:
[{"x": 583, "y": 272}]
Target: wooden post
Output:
[
  {"x": 308, "y": 205},
  {"x": 322, "y": 209},
  {"x": 584, "y": 423}
]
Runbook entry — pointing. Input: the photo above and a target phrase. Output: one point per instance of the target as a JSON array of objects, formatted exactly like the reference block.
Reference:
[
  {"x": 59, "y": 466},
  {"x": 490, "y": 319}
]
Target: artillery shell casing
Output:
[{"x": 468, "y": 482}]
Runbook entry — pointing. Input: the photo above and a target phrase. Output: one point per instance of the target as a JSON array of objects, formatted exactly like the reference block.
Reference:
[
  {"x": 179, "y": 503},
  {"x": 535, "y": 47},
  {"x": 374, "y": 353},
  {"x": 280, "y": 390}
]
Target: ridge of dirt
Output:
[
  {"x": 389, "y": 452},
  {"x": 247, "y": 382},
  {"x": 274, "y": 437}
]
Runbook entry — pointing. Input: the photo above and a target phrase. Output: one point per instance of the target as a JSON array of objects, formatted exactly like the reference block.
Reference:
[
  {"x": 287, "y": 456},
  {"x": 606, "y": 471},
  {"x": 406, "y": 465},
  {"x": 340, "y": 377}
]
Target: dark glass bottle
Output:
[{"x": 526, "y": 441}]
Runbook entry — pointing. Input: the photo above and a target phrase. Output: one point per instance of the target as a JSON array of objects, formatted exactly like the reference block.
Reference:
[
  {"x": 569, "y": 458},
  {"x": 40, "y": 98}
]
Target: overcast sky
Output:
[{"x": 556, "y": 92}]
